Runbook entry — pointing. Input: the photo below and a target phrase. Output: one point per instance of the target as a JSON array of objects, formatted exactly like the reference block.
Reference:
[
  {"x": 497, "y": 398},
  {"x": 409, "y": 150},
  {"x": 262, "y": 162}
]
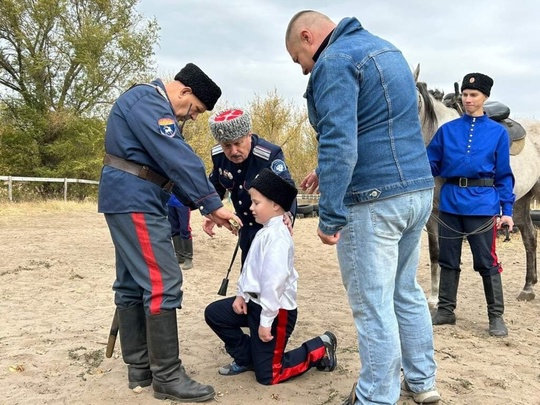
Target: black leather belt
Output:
[
  {"x": 141, "y": 171},
  {"x": 465, "y": 182}
]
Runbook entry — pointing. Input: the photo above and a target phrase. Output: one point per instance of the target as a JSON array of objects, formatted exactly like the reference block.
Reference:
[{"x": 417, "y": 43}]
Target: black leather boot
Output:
[
  {"x": 495, "y": 304},
  {"x": 170, "y": 380},
  {"x": 178, "y": 248},
  {"x": 448, "y": 286},
  {"x": 132, "y": 329},
  {"x": 187, "y": 253}
]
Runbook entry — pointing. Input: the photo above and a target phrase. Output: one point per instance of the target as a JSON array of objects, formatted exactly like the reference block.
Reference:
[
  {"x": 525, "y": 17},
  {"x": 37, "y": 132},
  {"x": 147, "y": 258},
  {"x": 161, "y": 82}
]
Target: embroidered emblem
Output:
[
  {"x": 278, "y": 166},
  {"x": 167, "y": 127}
]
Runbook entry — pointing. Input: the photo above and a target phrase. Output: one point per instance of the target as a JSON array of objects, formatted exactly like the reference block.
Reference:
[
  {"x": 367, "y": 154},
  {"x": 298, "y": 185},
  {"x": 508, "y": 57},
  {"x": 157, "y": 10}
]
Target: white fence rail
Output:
[{"x": 11, "y": 179}]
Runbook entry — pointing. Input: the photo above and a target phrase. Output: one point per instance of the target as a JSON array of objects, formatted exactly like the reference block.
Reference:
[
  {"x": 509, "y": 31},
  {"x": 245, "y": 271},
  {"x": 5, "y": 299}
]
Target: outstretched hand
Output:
[{"x": 224, "y": 217}]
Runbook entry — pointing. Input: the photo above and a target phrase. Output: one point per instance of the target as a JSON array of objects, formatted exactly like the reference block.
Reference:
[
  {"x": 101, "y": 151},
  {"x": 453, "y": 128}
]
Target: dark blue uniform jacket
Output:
[
  {"x": 142, "y": 128},
  {"x": 236, "y": 178}
]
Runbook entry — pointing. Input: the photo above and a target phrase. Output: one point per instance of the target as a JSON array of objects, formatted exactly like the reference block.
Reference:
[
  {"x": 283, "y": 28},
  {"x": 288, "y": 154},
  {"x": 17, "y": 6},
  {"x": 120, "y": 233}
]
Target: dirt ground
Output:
[{"x": 56, "y": 305}]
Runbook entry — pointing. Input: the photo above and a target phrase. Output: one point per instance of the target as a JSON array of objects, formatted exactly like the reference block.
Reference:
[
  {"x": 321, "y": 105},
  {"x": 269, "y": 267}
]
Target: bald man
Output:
[{"x": 376, "y": 191}]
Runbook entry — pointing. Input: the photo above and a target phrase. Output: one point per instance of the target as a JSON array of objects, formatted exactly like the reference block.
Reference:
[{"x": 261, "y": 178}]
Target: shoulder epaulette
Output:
[
  {"x": 217, "y": 150},
  {"x": 262, "y": 152}
]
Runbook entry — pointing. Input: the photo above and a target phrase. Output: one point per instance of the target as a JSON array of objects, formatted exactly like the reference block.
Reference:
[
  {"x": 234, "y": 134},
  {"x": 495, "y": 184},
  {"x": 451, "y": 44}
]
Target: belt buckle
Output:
[
  {"x": 168, "y": 186},
  {"x": 463, "y": 182},
  {"x": 143, "y": 173}
]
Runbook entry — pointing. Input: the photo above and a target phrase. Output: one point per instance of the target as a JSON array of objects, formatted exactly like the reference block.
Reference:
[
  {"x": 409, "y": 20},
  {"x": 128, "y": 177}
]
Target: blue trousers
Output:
[
  {"x": 179, "y": 217},
  {"x": 147, "y": 271},
  {"x": 269, "y": 360}
]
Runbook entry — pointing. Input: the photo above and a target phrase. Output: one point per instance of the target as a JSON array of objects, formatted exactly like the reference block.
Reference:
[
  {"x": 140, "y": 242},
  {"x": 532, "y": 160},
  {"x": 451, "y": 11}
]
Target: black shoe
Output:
[
  {"x": 497, "y": 327},
  {"x": 329, "y": 361},
  {"x": 442, "y": 317}
]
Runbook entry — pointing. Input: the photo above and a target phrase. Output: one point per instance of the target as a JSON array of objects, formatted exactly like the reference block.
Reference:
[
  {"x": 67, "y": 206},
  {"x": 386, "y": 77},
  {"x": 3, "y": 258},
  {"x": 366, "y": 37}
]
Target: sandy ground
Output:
[{"x": 56, "y": 304}]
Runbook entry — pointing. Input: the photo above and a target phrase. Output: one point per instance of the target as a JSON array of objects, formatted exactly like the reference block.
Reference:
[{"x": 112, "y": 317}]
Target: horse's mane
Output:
[{"x": 429, "y": 118}]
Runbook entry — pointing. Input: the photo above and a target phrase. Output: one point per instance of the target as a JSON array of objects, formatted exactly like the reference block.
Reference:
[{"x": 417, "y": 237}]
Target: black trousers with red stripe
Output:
[
  {"x": 268, "y": 359},
  {"x": 482, "y": 245},
  {"x": 147, "y": 270}
]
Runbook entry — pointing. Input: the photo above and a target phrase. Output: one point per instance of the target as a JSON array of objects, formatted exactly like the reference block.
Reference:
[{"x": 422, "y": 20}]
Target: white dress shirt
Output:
[{"x": 268, "y": 276}]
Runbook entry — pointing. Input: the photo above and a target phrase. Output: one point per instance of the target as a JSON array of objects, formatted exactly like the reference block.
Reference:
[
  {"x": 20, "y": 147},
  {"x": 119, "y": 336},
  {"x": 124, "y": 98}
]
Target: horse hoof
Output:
[{"x": 526, "y": 296}]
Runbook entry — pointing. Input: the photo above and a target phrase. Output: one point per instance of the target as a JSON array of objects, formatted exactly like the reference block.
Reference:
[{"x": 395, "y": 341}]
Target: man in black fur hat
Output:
[
  {"x": 147, "y": 159},
  {"x": 472, "y": 154}
]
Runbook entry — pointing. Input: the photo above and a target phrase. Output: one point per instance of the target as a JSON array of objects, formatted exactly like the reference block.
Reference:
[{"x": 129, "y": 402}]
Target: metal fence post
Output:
[{"x": 10, "y": 189}]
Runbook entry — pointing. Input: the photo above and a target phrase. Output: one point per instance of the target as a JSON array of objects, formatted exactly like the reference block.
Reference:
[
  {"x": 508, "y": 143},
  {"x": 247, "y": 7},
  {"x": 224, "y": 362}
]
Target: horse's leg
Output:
[
  {"x": 433, "y": 242},
  {"x": 522, "y": 218}
]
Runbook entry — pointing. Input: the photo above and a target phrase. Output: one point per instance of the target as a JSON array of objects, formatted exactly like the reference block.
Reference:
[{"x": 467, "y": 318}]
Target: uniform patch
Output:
[
  {"x": 261, "y": 152},
  {"x": 167, "y": 127},
  {"x": 278, "y": 166}
]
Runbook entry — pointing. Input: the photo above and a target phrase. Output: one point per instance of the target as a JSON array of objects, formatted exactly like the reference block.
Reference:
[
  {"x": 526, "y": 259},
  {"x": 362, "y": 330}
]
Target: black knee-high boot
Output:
[
  {"x": 448, "y": 286},
  {"x": 178, "y": 248},
  {"x": 187, "y": 252},
  {"x": 495, "y": 304},
  {"x": 132, "y": 329},
  {"x": 170, "y": 380}
]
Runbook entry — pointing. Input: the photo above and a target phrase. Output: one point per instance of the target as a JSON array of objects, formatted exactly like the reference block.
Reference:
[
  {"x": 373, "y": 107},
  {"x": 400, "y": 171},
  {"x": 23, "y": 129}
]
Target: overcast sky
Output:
[{"x": 240, "y": 43}]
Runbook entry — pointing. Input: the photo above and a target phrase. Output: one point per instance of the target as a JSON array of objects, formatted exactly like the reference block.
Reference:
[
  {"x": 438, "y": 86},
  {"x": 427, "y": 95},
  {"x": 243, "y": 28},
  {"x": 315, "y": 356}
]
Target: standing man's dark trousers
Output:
[
  {"x": 485, "y": 262},
  {"x": 180, "y": 218},
  {"x": 268, "y": 359},
  {"x": 147, "y": 292}
]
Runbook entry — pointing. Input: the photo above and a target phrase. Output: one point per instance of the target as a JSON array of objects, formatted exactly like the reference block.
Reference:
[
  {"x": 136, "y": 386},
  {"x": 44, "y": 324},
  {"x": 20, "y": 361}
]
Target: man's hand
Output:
[
  {"x": 310, "y": 183},
  {"x": 265, "y": 333},
  {"x": 505, "y": 220},
  {"x": 208, "y": 226},
  {"x": 223, "y": 217},
  {"x": 239, "y": 306},
  {"x": 287, "y": 220},
  {"x": 328, "y": 239}
]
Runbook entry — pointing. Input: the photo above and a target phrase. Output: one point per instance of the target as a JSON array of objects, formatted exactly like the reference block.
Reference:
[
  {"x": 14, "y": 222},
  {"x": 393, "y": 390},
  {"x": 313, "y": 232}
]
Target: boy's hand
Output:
[
  {"x": 239, "y": 306},
  {"x": 265, "y": 333}
]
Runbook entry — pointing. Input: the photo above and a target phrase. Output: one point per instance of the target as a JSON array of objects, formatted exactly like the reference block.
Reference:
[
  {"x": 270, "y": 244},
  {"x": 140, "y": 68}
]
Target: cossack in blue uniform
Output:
[
  {"x": 142, "y": 128},
  {"x": 236, "y": 178}
]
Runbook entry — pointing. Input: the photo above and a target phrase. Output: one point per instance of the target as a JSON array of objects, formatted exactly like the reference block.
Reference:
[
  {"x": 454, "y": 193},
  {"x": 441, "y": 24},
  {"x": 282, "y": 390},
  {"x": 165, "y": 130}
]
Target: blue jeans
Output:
[{"x": 378, "y": 253}]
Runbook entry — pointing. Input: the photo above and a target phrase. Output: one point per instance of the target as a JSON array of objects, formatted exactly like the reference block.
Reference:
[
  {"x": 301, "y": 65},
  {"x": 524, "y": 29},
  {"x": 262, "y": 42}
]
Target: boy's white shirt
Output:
[{"x": 269, "y": 271}]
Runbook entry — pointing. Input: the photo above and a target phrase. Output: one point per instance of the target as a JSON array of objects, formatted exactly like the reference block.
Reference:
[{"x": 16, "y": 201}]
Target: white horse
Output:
[{"x": 526, "y": 169}]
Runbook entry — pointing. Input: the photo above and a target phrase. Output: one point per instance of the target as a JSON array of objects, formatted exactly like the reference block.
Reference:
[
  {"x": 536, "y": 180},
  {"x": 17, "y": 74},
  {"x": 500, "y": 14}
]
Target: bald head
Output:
[
  {"x": 310, "y": 20},
  {"x": 305, "y": 33}
]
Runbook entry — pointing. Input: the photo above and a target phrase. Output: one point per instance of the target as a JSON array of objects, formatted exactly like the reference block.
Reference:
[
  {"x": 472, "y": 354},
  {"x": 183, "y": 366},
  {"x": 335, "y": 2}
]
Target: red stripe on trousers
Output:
[
  {"x": 279, "y": 373},
  {"x": 493, "y": 247},
  {"x": 156, "y": 282}
]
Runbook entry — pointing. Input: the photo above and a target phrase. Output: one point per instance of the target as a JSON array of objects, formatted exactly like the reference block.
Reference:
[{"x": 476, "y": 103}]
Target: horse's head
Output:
[{"x": 432, "y": 112}]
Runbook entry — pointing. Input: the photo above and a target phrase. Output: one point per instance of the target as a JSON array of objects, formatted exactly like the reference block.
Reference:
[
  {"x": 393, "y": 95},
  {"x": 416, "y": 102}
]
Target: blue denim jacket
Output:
[{"x": 362, "y": 102}]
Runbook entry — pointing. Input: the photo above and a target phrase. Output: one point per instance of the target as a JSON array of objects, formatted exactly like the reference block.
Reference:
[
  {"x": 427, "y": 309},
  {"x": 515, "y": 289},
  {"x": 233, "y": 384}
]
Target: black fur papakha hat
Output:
[
  {"x": 202, "y": 86},
  {"x": 275, "y": 188},
  {"x": 477, "y": 81}
]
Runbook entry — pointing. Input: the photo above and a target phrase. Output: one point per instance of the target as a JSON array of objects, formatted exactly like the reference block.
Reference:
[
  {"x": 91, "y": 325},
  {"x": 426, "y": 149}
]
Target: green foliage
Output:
[
  {"x": 75, "y": 55},
  {"x": 62, "y": 65}
]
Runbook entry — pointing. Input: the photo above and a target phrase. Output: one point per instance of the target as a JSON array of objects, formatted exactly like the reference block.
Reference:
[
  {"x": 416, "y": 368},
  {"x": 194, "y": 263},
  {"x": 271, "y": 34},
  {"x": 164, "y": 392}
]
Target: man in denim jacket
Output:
[{"x": 376, "y": 194}]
